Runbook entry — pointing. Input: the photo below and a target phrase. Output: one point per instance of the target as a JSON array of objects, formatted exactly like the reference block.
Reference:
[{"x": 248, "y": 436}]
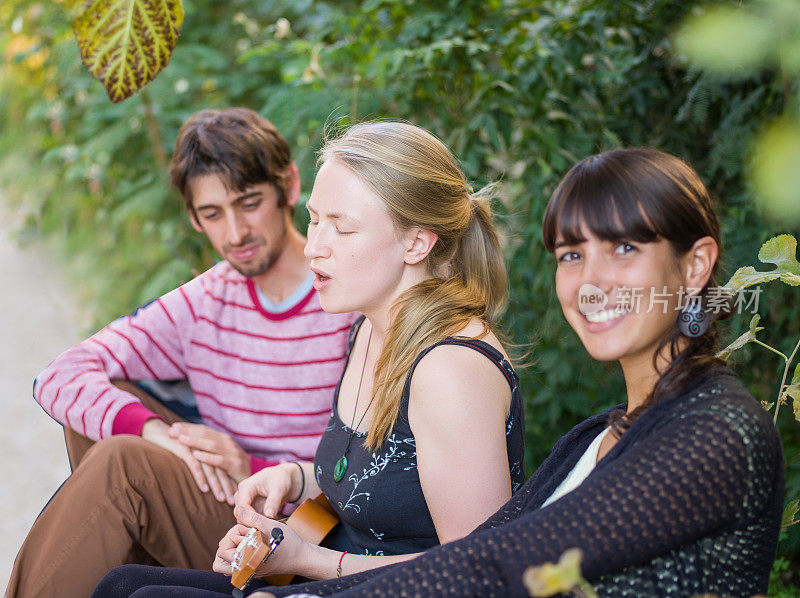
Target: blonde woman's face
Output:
[{"x": 355, "y": 250}]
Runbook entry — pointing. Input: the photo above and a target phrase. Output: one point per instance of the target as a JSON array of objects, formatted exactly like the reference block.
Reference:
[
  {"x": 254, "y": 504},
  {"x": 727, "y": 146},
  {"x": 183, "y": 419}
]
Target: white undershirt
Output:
[{"x": 581, "y": 471}]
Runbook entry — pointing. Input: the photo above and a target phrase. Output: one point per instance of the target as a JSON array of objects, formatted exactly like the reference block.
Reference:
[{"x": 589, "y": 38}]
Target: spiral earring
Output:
[{"x": 693, "y": 321}]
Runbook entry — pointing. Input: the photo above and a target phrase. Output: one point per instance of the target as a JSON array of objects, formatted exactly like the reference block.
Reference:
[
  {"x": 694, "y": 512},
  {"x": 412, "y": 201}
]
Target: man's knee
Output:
[{"x": 125, "y": 456}]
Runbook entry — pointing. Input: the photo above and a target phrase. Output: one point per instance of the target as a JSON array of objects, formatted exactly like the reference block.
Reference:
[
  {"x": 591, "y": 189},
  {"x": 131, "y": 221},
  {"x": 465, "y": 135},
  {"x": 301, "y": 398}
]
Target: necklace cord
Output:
[{"x": 358, "y": 394}]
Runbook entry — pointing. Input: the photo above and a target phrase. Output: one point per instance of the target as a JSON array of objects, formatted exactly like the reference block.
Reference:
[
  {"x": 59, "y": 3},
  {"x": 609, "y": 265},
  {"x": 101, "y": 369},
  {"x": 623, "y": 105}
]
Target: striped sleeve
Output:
[{"x": 76, "y": 390}]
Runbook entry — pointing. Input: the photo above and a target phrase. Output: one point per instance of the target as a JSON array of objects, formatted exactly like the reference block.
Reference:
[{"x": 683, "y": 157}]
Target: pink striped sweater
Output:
[{"x": 267, "y": 379}]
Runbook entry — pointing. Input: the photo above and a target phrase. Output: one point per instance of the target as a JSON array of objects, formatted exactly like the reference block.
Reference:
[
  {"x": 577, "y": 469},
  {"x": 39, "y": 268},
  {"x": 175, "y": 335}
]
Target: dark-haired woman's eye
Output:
[
  {"x": 567, "y": 256},
  {"x": 624, "y": 248}
]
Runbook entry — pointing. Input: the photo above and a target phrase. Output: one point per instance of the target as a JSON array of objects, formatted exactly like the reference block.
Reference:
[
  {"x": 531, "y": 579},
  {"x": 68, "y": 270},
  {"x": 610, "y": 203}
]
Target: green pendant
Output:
[{"x": 341, "y": 467}]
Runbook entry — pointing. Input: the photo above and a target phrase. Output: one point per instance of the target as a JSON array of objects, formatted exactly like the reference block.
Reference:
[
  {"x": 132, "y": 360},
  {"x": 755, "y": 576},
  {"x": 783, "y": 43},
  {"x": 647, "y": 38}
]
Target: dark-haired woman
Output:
[
  {"x": 676, "y": 492},
  {"x": 425, "y": 439}
]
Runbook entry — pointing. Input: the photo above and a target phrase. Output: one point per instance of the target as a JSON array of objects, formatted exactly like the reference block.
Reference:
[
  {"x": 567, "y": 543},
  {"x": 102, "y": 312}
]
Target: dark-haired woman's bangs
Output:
[{"x": 611, "y": 215}]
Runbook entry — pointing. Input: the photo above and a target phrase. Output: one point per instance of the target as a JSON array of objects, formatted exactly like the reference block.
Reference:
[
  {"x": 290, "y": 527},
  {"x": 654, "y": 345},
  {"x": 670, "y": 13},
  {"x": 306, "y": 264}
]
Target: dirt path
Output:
[{"x": 39, "y": 319}]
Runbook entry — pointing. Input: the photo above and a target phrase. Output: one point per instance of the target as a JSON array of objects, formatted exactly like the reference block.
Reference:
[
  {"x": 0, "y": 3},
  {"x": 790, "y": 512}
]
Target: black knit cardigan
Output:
[{"x": 689, "y": 501}]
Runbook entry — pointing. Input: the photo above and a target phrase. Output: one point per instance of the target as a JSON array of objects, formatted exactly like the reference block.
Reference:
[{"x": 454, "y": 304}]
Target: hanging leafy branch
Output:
[{"x": 126, "y": 43}]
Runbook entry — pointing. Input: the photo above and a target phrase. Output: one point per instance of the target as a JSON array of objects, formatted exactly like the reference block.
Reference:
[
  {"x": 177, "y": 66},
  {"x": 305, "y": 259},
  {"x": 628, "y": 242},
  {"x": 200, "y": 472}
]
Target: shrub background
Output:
[{"x": 520, "y": 90}]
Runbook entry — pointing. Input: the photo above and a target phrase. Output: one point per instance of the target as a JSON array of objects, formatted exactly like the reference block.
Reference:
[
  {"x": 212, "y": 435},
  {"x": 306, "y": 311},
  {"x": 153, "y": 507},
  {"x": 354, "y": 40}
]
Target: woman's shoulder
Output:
[
  {"x": 467, "y": 366},
  {"x": 718, "y": 397},
  {"x": 467, "y": 354},
  {"x": 476, "y": 330},
  {"x": 718, "y": 389}
]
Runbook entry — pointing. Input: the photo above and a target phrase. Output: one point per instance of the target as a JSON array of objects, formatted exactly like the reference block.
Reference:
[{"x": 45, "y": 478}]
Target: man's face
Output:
[{"x": 247, "y": 228}]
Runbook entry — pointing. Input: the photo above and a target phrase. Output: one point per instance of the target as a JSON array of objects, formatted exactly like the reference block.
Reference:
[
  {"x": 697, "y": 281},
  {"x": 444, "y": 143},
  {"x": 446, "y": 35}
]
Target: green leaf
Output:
[
  {"x": 740, "y": 342},
  {"x": 126, "y": 43},
  {"x": 793, "y": 390},
  {"x": 727, "y": 41},
  {"x": 747, "y": 277},
  {"x": 790, "y": 513},
  {"x": 781, "y": 251}
]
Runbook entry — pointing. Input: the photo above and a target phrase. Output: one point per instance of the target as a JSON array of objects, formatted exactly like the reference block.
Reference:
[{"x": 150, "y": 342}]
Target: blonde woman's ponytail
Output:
[{"x": 479, "y": 257}]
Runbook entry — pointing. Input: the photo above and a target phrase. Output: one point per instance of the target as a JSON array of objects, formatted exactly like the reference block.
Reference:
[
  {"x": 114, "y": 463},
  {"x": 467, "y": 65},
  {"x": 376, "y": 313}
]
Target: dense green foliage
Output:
[{"x": 518, "y": 89}]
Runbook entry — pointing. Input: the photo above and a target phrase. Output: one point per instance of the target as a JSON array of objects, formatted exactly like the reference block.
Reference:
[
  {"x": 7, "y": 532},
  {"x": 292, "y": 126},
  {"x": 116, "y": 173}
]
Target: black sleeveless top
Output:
[{"x": 379, "y": 501}]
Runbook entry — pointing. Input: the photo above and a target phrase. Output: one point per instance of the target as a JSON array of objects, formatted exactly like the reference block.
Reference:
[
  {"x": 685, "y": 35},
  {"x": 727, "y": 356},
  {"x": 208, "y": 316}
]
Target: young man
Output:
[{"x": 261, "y": 356}]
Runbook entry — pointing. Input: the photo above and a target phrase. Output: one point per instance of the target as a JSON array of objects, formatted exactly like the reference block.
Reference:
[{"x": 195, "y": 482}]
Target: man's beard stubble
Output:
[{"x": 257, "y": 269}]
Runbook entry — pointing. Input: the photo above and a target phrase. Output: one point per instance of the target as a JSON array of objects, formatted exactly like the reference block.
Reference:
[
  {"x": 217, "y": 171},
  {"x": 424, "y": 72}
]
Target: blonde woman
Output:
[{"x": 425, "y": 439}]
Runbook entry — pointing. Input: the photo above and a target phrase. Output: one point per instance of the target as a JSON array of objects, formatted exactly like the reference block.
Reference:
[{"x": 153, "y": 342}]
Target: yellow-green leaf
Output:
[
  {"x": 790, "y": 514},
  {"x": 126, "y": 43},
  {"x": 550, "y": 579},
  {"x": 793, "y": 390},
  {"x": 781, "y": 251},
  {"x": 748, "y": 277},
  {"x": 740, "y": 342}
]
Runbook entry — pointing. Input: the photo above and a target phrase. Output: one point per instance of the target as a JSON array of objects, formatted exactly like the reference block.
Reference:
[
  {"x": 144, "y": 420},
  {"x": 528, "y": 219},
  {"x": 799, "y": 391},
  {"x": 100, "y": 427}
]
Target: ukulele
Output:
[{"x": 312, "y": 521}]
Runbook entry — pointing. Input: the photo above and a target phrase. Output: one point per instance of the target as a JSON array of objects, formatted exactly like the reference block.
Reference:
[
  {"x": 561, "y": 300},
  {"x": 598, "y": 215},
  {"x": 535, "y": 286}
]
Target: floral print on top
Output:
[{"x": 379, "y": 501}]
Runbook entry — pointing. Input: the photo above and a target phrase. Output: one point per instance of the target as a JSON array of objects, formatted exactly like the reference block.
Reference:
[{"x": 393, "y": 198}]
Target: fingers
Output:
[
  {"x": 220, "y": 449},
  {"x": 179, "y": 428},
  {"x": 213, "y": 481},
  {"x": 248, "y": 492},
  {"x": 269, "y": 505},
  {"x": 265, "y": 491},
  {"x": 196, "y": 469},
  {"x": 211, "y": 459},
  {"x": 198, "y": 433},
  {"x": 204, "y": 444},
  {"x": 234, "y": 536},
  {"x": 223, "y": 564},
  {"x": 227, "y": 548},
  {"x": 247, "y": 516},
  {"x": 272, "y": 504},
  {"x": 228, "y": 487}
]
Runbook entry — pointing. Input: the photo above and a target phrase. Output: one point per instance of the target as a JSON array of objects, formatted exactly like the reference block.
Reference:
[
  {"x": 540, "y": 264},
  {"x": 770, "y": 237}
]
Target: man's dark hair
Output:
[{"x": 236, "y": 144}]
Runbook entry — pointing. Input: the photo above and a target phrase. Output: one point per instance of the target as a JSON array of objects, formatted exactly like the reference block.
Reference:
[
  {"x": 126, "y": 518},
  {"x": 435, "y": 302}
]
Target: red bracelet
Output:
[{"x": 339, "y": 568}]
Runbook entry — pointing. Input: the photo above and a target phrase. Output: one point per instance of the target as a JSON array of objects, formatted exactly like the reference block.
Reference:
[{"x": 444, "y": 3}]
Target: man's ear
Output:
[
  {"x": 292, "y": 185},
  {"x": 195, "y": 223},
  {"x": 419, "y": 243},
  {"x": 698, "y": 263}
]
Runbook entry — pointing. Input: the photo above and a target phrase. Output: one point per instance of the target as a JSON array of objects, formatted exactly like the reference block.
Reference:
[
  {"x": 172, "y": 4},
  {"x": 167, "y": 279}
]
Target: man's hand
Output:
[
  {"x": 214, "y": 448},
  {"x": 207, "y": 476}
]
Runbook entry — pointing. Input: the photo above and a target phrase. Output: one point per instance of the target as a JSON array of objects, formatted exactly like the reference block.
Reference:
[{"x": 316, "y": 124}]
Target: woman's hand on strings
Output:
[{"x": 266, "y": 491}]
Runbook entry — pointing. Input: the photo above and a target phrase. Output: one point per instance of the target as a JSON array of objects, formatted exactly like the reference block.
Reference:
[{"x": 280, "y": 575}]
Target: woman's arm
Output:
[
  {"x": 458, "y": 406},
  {"x": 293, "y": 555}
]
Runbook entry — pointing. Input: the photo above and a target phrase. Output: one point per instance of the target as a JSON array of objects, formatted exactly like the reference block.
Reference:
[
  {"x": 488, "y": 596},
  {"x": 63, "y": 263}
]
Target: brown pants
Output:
[{"x": 127, "y": 501}]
